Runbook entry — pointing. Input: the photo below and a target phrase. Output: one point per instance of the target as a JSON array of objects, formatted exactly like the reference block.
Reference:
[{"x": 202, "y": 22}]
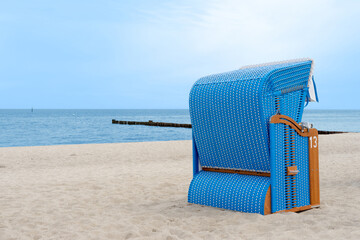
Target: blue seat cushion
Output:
[{"x": 245, "y": 193}]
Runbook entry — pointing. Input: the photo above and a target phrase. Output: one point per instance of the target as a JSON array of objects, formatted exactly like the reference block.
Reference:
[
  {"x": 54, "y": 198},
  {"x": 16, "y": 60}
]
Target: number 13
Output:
[{"x": 313, "y": 142}]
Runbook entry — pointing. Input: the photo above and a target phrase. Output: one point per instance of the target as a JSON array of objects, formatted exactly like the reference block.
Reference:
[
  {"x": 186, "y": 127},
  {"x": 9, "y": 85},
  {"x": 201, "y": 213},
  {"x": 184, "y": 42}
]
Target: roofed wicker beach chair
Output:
[{"x": 250, "y": 153}]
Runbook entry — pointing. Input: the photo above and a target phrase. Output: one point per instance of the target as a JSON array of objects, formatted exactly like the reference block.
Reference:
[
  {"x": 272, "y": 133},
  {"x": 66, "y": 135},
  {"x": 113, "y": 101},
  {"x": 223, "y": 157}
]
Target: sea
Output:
[{"x": 38, "y": 127}]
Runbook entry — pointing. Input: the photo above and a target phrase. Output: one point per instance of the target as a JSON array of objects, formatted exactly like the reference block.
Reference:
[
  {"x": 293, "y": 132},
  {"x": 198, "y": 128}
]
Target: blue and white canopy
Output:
[{"x": 312, "y": 92}]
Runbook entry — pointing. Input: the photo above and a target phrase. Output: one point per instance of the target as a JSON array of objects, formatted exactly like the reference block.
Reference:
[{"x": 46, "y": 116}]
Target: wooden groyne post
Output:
[
  {"x": 151, "y": 123},
  {"x": 184, "y": 125}
]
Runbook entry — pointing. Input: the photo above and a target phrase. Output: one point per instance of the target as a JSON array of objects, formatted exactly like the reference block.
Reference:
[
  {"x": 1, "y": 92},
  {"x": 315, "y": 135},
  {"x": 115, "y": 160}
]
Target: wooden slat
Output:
[
  {"x": 290, "y": 170},
  {"x": 314, "y": 167},
  {"x": 264, "y": 174},
  {"x": 267, "y": 205}
]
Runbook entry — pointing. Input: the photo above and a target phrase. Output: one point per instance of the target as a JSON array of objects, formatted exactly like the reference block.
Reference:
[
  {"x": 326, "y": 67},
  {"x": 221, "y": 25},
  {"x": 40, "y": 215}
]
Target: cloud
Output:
[
  {"x": 141, "y": 48},
  {"x": 257, "y": 28}
]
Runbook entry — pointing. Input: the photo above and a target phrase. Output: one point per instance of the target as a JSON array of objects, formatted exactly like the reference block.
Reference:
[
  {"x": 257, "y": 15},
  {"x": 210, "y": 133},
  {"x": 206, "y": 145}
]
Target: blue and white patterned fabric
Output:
[
  {"x": 288, "y": 191},
  {"x": 230, "y": 112},
  {"x": 237, "y": 192},
  {"x": 230, "y": 115}
]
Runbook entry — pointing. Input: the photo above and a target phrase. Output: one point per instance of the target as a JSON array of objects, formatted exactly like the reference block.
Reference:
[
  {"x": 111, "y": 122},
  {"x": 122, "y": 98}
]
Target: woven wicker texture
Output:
[
  {"x": 288, "y": 191},
  {"x": 237, "y": 192},
  {"x": 230, "y": 115},
  {"x": 230, "y": 112}
]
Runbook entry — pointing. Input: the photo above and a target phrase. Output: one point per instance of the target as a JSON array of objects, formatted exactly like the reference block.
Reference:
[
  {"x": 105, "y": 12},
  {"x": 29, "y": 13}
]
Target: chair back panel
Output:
[{"x": 230, "y": 112}]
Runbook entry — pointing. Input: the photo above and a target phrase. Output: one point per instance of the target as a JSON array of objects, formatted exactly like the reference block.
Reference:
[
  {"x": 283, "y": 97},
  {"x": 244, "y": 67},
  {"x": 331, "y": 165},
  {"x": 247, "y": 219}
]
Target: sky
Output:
[{"x": 146, "y": 54}]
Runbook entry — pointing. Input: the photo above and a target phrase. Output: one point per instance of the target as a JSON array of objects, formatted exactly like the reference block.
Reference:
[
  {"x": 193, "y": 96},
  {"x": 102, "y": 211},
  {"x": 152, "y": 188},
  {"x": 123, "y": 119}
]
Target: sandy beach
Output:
[{"x": 139, "y": 191}]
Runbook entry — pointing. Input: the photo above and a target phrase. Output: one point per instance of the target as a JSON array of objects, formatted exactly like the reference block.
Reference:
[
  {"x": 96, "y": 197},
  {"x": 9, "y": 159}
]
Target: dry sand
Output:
[{"x": 139, "y": 191}]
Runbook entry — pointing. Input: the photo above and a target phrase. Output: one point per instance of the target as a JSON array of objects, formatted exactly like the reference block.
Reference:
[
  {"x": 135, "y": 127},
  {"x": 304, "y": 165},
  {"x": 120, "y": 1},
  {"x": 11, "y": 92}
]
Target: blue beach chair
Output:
[{"x": 250, "y": 153}]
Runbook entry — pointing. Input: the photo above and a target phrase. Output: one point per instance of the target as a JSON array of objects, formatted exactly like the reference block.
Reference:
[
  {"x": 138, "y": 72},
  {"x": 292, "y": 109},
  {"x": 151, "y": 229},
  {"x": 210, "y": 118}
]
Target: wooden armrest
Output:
[{"x": 294, "y": 125}]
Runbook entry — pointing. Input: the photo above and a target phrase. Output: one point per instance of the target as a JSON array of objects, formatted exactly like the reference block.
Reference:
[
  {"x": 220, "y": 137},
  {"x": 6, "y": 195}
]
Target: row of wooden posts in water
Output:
[
  {"x": 182, "y": 125},
  {"x": 151, "y": 123}
]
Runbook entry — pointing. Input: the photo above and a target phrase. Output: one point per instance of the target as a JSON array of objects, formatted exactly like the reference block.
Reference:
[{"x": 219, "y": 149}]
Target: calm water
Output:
[{"x": 54, "y": 127}]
